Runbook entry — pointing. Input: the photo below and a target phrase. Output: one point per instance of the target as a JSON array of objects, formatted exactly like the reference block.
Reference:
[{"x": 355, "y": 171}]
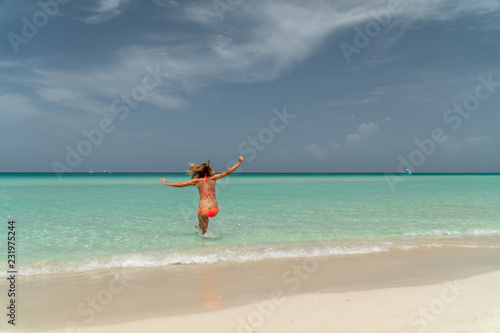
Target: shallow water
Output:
[{"x": 90, "y": 221}]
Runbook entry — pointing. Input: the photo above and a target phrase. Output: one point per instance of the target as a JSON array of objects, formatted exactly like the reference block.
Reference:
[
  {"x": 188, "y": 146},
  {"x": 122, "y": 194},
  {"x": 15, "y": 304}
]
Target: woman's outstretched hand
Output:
[
  {"x": 240, "y": 159},
  {"x": 164, "y": 181}
]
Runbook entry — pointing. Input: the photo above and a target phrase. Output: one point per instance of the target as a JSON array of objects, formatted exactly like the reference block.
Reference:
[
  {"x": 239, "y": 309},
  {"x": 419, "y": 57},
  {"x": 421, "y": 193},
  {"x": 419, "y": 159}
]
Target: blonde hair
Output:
[{"x": 199, "y": 171}]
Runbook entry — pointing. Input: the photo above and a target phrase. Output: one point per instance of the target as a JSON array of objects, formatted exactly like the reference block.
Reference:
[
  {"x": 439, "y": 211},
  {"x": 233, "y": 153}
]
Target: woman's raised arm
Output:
[{"x": 228, "y": 171}]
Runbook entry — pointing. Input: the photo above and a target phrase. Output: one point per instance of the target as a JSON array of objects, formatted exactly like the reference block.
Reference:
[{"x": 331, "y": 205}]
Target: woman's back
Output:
[{"x": 206, "y": 185}]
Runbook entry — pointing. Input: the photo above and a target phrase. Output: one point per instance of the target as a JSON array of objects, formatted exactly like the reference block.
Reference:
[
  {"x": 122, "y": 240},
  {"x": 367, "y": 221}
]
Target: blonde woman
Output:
[{"x": 204, "y": 177}]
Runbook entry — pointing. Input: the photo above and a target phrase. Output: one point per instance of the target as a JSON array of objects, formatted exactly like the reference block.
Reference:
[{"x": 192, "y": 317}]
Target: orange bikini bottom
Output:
[{"x": 210, "y": 212}]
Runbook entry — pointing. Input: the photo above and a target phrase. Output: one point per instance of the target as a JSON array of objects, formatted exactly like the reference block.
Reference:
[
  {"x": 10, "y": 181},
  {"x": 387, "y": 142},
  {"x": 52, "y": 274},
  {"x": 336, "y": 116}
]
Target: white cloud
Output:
[
  {"x": 165, "y": 101},
  {"x": 8, "y": 64},
  {"x": 277, "y": 35},
  {"x": 280, "y": 34},
  {"x": 106, "y": 10},
  {"x": 365, "y": 131},
  {"x": 452, "y": 143},
  {"x": 166, "y": 3},
  {"x": 57, "y": 94},
  {"x": 283, "y": 154},
  {"x": 93, "y": 91},
  {"x": 351, "y": 102},
  {"x": 14, "y": 107},
  {"x": 316, "y": 151},
  {"x": 322, "y": 152},
  {"x": 75, "y": 99},
  {"x": 476, "y": 140},
  {"x": 414, "y": 14}
]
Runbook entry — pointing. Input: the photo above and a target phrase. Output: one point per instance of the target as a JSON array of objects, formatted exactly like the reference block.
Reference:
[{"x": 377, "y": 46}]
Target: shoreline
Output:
[
  {"x": 108, "y": 301},
  {"x": 245, "y": 255}
]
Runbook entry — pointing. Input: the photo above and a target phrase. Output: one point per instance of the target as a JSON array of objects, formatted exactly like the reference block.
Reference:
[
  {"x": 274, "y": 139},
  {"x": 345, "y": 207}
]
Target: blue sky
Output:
[{"x": 293, "y": 86}]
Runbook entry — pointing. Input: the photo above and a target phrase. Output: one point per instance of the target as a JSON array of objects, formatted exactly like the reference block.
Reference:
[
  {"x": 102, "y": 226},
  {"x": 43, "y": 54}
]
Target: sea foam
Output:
[
  {"x": 236, "y": 255},
  {"x": 447, "y": 232}
]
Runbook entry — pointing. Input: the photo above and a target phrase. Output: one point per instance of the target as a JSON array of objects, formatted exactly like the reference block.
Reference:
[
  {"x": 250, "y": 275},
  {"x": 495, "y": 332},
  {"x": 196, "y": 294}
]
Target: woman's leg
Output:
[{"x": 203, "y": 222}]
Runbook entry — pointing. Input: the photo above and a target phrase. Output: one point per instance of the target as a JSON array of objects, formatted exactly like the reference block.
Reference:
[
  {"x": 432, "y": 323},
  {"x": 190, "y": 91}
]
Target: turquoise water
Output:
[{"x": 79, "y": 222}]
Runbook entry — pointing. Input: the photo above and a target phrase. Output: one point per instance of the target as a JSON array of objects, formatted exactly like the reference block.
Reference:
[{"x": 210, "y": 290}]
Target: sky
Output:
[{"x": 292, "y": 86}]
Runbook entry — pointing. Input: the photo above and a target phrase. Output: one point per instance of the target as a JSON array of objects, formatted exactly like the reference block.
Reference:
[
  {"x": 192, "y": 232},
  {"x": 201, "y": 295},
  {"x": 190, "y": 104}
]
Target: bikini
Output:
[{"x": 210, "y": 212}]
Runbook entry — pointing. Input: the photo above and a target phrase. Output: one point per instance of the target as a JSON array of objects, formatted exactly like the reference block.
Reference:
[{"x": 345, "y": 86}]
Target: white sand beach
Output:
[{"x": 420, "y": 290}]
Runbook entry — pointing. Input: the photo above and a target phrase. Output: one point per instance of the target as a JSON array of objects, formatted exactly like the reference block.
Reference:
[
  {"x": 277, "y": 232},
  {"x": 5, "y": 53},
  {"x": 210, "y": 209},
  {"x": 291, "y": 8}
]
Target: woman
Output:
[{"x": 204, "y": 177}]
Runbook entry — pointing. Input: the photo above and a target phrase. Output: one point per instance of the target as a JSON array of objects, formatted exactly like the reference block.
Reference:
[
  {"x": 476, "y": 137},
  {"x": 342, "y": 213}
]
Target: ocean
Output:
[{"x": 84, "y": 222}]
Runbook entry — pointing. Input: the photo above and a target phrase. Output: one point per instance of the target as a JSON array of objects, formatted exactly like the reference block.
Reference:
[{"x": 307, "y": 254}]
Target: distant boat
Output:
[
  {"x": 91, "y": 170},
  {"x": 408, "y": 171}
]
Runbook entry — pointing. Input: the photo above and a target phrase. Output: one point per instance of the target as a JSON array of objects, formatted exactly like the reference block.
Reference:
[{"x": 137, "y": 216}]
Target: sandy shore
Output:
[
  {"x": 466, "y": 305},
  {"x": 423, "y": 290}
]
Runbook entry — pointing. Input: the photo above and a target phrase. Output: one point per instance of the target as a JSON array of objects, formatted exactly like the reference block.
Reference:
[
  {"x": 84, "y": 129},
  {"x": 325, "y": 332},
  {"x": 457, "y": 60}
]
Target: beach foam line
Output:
[
  {"x": 453, "y": 232},
  {"x": 235, "y": 255}
]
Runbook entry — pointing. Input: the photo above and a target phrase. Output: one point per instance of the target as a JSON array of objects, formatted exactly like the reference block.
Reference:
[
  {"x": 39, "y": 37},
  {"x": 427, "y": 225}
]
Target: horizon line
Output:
[{"x": 257, "y": 172}]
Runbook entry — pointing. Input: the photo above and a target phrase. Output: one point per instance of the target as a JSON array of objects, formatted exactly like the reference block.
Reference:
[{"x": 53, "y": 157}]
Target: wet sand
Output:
[{"x": 420, "y": 290}]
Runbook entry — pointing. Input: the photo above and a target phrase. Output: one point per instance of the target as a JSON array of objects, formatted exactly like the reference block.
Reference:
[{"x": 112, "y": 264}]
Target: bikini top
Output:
[{"x": 206, "y": 194}]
